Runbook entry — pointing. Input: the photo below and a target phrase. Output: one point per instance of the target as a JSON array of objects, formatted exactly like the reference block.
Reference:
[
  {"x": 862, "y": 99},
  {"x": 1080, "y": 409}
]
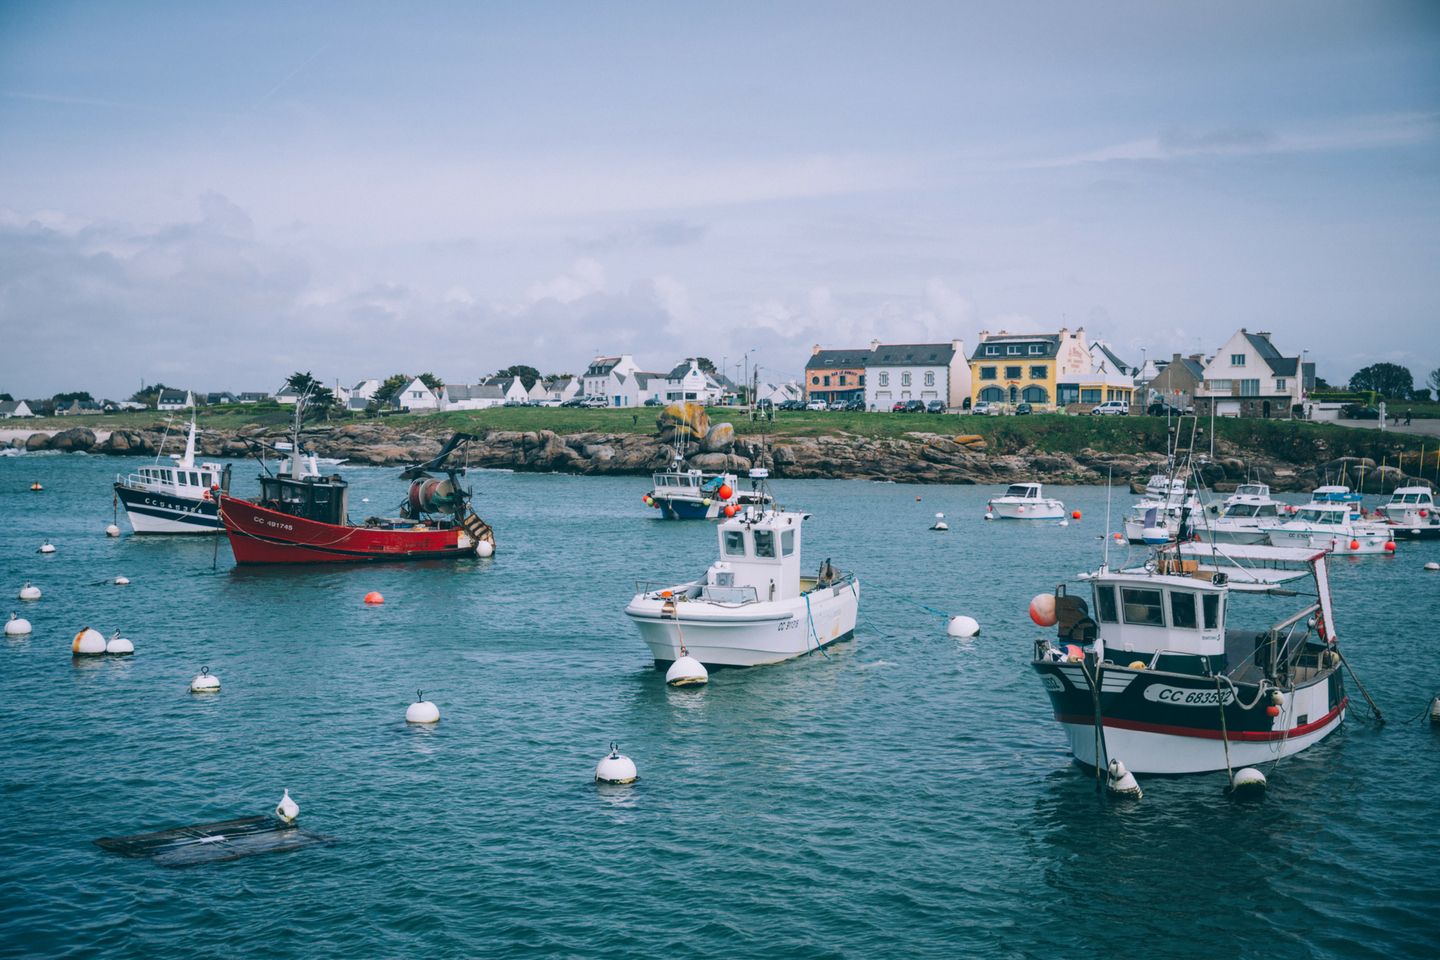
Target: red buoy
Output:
[
  {"x": 1354, "y": 544},
  {"x": 1075, "y": 514},
  {"x": 374, "y": 597},
  {"x": 1389, "y": 546},
  {"x": 1273, "y": 710},
  {"x": 730, "y": 510},
  {"x": 725, "y": 491}
]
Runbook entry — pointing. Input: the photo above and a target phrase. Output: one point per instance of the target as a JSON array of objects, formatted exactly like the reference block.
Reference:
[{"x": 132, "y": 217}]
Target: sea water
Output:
[{"x": 905, "y": 794}]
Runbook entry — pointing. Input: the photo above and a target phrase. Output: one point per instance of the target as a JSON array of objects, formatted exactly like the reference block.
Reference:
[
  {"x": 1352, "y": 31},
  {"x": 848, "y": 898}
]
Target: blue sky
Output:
[{"x": 215, "y": 197}]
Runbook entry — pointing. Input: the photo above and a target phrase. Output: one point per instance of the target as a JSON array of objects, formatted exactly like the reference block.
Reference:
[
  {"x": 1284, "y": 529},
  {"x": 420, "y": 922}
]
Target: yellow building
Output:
[{"x": 1012, "y": 368}]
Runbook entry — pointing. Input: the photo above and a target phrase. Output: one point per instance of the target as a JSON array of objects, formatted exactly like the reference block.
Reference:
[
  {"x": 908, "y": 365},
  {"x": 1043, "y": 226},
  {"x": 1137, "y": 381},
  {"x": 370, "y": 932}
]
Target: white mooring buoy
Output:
[
  {"x": 287, "y": 809},
  {"x": 205, "y": 682},
  {"x": 963, "y": 627},
  {"x": 940, "y": 523},
  {"x": 1248, "y": 781},
  {"x": 1432, "y": 566},
  {"x": 119, "y": 645},
  {"x": 122, "y": 581},
  {"x": 16, "y": 626},
  {"x": 112, "y": 531},
  {"x": 484, "y": 549},
  {"x": 687, "y": 672},
  {"x": 1121, "y": 782},
  {"x": 422, "y": 710},
  {"x": 1435, "y": 710},
  {"x": 88, "y": 643},
  {"x": 46, "y": 547},
  {"x": 989, "y": 515},
  {"x": 29, "y": 591},
  {"x": 616, "y": 768},
  {"x": 1064, "y": 523}
]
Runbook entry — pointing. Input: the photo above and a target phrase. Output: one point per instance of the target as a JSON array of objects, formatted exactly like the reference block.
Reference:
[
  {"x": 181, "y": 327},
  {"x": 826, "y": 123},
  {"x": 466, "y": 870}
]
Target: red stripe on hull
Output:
[
  {"x": 1205, "y": 733},
  {"x": 261, "y": 535}
]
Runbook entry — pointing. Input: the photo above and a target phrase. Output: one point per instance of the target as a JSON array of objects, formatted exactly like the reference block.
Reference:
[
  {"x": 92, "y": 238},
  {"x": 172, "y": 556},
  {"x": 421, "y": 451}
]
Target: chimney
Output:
[
  {"x": 1176, "y": 358},
  {"x": 816, "y": 350},
  {"x": 874, "y": 345},
  {"x": 1263, "y": 333},
  {"x": 1064, "y": 332},
  {"x": 984, "y": 335}
]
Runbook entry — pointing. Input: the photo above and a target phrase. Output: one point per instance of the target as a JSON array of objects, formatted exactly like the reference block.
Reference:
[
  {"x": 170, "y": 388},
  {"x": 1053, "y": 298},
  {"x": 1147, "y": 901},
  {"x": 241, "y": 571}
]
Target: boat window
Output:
[
  {"x": 764, "y": 543},
  {"x": 1212, "y": 610},
  {"x": 1105, "y": 604},
  {"x": 734, "y": 543},
  {"x": 1268, "y": 510},
  {"x": 1241, "y": 510},
  {"x": 1143, "y": 607},
  {"x": 1182, "y": 610},
  {"x": 787, "y": 542},
  {"x": 194, "y": 479},
  {"x": 1018, "y": 490}
]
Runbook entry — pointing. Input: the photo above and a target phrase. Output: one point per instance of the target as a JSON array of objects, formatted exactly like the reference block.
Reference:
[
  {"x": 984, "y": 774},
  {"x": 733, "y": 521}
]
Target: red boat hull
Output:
[{"x": 261, "y": 535}]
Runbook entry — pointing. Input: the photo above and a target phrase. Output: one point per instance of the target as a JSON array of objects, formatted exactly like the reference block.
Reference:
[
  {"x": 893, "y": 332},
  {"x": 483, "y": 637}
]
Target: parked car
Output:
[
  {"x": 574, "y": 402},
  {"x": 1162, "y": 409},
  {"x": 985, "y": 408},
  {"x": 817, "y": 405},
  {"x": 856, "y": 406},
  {"x": 595, "y": 402},
  {"x": 935, "y": 406},
  {"x": 1112, "y": 408},
  {"x": 908, "y": 406},
  {"x": 1022, "y": 409},
  {"x": 654, "y": 402},
  {"x": 1359, "y": 411},
  {"x": 791, "y": 405}
]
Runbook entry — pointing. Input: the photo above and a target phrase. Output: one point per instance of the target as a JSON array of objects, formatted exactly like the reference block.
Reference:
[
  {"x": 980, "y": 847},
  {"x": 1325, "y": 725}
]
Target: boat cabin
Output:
[
  {"x": 1334, "y": 493},
  {"x": 1242, "y": 509},
  {"x": 1260, "y": 490},
  {"x": 759, "y": 557},
  {"x": 1323, "y": 515},
  {"x": 1024, "y": 491},
  {"x": 1412, "y": 497},
  {"x": 322, "y": 499},
  {"x": 1168, "y": 621},
  {"x": 191, "y": 482}
]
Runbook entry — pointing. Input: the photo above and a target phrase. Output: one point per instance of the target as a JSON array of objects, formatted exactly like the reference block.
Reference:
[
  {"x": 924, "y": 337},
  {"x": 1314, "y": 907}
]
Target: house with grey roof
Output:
[
  {"x": 1250, "y": 377},
  {"x": 10, "y": 409},
  {"x": 1176, "y": 381},
  {"x": 174, "y": 400},
  {"x": 896, "y": 372},
  {"x": 473, "y": 396},
  {"x": 836, "y": 374},
  {"x": 606, "y": 378},
  {"x": 686, "y": 381}
]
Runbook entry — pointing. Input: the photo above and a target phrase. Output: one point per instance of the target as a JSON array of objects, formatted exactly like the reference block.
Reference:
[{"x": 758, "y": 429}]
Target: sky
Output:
[{"x": 215, "y": 196}]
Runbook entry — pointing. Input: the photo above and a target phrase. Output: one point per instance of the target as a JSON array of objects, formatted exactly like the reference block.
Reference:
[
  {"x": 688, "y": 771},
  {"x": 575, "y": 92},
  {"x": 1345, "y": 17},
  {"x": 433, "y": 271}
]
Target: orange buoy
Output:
[
  {"x": 1354, "y": 544},
  {"x": 1273, "y": 710},
  {"x": 1042, "y": 609},
  {"x": 726, "y": 491},
  {"x": 730, "y": 510},
  {"x": 374, "y": 597},
  {"x": 1390, "y": 546},
  {"x": 645, "y": 498},
  {"x": 1074, "y": 514}
]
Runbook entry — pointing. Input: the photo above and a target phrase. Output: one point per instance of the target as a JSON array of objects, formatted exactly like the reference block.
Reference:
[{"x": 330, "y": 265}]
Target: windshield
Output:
[
  {"x": 1308, "y": 515},
  {"x": 1241, "y": 510},
  {"x": 1018, "y": 490}
]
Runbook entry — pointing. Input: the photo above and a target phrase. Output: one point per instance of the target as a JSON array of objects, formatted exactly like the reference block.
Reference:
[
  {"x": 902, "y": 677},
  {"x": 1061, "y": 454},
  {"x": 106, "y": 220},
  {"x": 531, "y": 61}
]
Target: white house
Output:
[
  {"x": 1248, "y": 377},
  {"x": 688, "y": 382},
  {"x": 560, "y": 389},
  {"x": 916, "y": 371},
  {"x": 473, "y": 396},
  {"x": 1089, "y": 372},
  {"x": 602, "y": 377},
  {"x": 780, "y": 392},
  {"x": 15, "y": 408},
  {"x": 286, "y": 395},
  {"x": 174, "y": 400},
  {"x": 417, "y": 396}
]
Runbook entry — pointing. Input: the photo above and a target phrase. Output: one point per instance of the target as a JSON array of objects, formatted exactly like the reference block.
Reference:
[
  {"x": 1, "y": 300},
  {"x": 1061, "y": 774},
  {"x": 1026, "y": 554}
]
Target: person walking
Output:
[{"x": 1407, "y": 416}]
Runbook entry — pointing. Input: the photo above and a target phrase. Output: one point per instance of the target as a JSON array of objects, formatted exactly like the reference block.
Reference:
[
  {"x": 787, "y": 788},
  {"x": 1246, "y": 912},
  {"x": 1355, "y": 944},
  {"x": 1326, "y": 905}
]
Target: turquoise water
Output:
[{"x": 909, "y": 795}]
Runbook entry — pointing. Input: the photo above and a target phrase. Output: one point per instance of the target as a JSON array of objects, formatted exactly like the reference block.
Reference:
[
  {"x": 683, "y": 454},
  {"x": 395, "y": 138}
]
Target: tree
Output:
[
  {"x": 6, "y": 398},
  {"x": 1322, "y": 384},
  {"x": 1386, "y": 379},
  {"x": 319, "y": 399},
  {"x": 74, "y": 395},
  {"x": 1434, "y": 380},
  {"x": 390, "y": 389},
  {"x": 527, "y": 375},
  {"x": 707, "y": 365},
  {"x": 150, "y": 396},
  {"x": 433, "y": 382}
]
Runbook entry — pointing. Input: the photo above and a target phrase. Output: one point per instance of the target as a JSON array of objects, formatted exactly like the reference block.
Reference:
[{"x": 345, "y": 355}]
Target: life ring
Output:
[{"x": 206, "y": 496}]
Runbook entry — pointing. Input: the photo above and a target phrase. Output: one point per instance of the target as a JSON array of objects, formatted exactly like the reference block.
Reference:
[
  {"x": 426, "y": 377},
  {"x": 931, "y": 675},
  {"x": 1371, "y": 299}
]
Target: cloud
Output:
[
  {"x": 649, "y": 235},
  {"x": 1351, "y": 133},
  {"x": 585, "y": 277}
]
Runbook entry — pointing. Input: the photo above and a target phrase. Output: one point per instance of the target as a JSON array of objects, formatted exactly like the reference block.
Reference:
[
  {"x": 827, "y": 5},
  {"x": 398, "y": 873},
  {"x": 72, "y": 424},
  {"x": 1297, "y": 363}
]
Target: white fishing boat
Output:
[
  {"x": 1330, "y": 527},
  {"x": 1160, "y": 678},
  {"x": 174, "y": 498},
  {"x": 752, "y": 606},
  {"x": 1160, "y": 521},
  {"x": 1026, "y": 501},
  {"x": 1411, "y": 512},
  {"x": 1243, "y": 515},
  {"x": 683, "y": 493},
  {"x": 1338, "y": 493}
]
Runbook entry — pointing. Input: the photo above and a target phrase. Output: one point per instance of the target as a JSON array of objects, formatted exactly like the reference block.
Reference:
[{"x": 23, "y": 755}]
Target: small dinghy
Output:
[{"x": 214, "y": 842}]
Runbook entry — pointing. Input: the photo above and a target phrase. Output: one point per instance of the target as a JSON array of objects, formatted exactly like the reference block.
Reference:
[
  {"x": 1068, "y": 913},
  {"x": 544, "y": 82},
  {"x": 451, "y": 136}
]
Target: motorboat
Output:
[
  {"x": 1411, "y": 512},
  {"x": 1330, "y": 527},
  {"x": 753, "y": 606},
  {"x": 1026, "y": 501},
  {"x": 1155, "y": 521},
  {"x": 687, "y": 494},
  {"x": 1151, "y": 667},
  {"x": 1338, "y": 493},
  {"x": 1241, "y": 517},
  {"x": 174, "y": 497}
]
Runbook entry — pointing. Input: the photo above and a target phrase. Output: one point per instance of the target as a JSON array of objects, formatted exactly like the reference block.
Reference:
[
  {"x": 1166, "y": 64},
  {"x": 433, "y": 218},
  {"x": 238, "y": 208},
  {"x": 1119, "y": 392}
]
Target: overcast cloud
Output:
[{"x": 217, "y": 197}]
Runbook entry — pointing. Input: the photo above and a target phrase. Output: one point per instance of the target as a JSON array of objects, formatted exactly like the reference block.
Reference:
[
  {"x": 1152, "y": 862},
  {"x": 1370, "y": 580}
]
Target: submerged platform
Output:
[{"x": 214, "y": 842}]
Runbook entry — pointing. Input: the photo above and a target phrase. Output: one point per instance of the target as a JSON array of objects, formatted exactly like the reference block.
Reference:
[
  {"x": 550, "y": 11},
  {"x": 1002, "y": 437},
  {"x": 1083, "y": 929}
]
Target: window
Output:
[
  {"x": 815, "y": 381},
  {"x": 905, "y": 379},
  {"x": 1013, "y": 350},
  {"x": 787, "y": 542},
  {"x": 929, "y": 378},
  {"x": 1033, "y": 394},
  {"x": 1219, "y": 386},
  {"x": 992, "y": 395},
  {"x": 1212, "y": 610},
  {"x": 1037, "y": 349},
  {"x": 1090, "y": 395},
  {"x": 765, "y": 543},
  {"x": 1249, "y": 388},
  {"x": 1237, "y": 359},
  {"x": 1143, "y": 607},
  {"x": 842, "y": 379},
  {"x": 1182, "y": 610},
  {"x": 1014, "y": 394},
  {"x": 1105, "y": 605},
  {"x": 987, "y": 373},
  {"x": 1067, "y": 393},
  {"x": 1012, "y": 373},
  {"x": 827, "y": 379},
  {"x": 734, "y": 543},
  {"x": 861, "y": 381},
  {"x": 992, "y": 351},
  {"x": 1039, "y": 373},
  {"x": 884, "y": 378},
  {"x": 1280, "y": 383}
]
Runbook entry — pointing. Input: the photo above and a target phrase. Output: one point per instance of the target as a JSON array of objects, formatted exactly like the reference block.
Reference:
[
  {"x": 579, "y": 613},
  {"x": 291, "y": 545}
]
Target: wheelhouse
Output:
[
  {"x": 1245, "y": 509},
  {"x": 322, "y": 499},
  {"x": 1024, "y": 491}
]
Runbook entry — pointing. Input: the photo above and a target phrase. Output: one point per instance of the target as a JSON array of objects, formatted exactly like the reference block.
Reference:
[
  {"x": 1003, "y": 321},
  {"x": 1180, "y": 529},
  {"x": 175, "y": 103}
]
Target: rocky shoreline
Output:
[{"x": 919, "y": 457}]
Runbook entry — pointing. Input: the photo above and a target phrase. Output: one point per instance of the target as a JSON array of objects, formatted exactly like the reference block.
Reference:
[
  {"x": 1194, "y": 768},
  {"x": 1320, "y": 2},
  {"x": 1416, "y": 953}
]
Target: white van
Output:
[{"x": 1112, "y": 408}]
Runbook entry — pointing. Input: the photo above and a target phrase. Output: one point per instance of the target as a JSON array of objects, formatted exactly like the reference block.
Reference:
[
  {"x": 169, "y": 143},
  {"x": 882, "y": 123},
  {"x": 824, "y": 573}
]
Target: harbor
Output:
[{"x": 917, "y": 784}]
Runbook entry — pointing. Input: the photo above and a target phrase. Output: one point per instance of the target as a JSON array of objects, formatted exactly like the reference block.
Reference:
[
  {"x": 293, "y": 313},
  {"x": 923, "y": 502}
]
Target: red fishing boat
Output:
[{"x": 302, "y": 517}]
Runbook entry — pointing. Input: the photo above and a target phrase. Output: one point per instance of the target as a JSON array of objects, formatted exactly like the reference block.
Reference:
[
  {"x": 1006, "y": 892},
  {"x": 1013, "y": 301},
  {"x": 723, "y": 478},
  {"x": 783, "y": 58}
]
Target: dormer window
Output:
[
  {"x": 992, "y": 351},
  {"x": 1037, "y": 348},
  {"x": 1013, "y": 350}
]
